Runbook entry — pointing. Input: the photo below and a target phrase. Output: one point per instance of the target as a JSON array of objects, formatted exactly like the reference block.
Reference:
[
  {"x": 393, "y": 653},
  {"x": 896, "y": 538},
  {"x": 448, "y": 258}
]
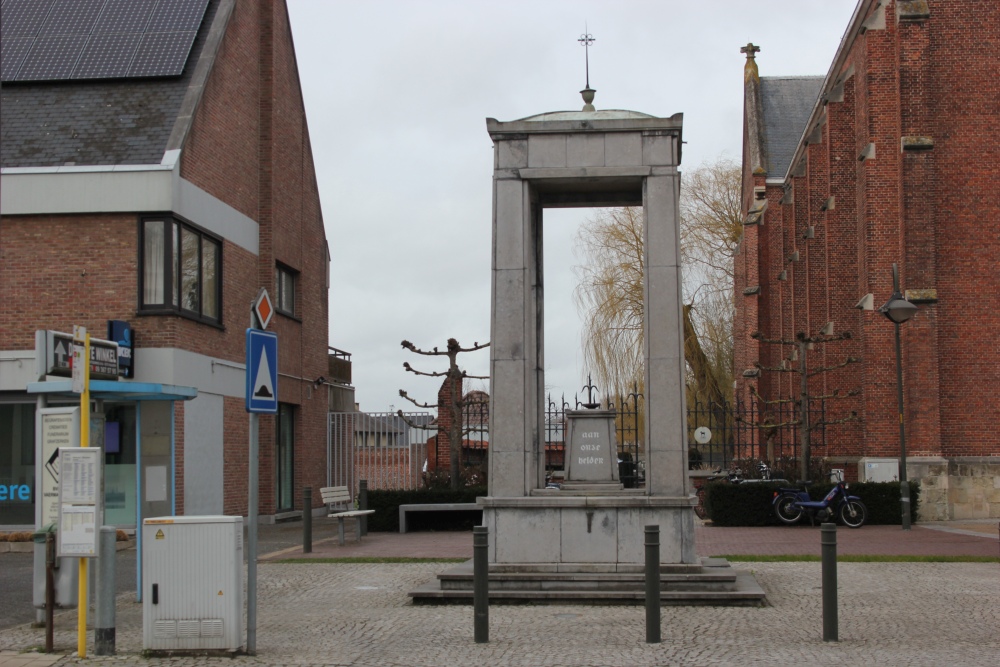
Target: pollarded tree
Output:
[{"x": 457, "y": 402}]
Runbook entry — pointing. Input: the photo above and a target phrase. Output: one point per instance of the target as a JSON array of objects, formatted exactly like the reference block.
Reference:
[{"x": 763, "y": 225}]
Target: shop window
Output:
[
  {"x": 180, "y": 270},
  {"x": 17, "y": 463},
  {"x": 285, "y": 280}
]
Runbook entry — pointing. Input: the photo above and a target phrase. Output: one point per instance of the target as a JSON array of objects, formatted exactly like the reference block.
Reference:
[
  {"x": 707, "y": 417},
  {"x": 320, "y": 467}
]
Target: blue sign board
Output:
[
  {"x": 121, "y": 332},
  {"x": 262, "y": 371}
]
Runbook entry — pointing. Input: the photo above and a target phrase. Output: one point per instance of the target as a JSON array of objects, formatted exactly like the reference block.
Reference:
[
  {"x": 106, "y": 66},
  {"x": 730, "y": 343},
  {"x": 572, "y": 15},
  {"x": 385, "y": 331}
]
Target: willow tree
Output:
[{"x": 610, "y": 296}]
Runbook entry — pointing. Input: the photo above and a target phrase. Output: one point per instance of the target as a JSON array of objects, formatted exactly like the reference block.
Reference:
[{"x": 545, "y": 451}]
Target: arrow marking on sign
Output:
[{"x": 262, "y": 385}]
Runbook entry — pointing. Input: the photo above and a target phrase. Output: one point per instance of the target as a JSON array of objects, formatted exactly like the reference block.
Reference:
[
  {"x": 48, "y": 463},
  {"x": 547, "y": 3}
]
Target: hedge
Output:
[
  {"x": 386, "y": 505},
  {"x": 750, "y": 504}
]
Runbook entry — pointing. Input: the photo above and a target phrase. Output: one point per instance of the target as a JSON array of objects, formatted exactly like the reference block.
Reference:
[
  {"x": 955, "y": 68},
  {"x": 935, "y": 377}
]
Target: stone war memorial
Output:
[{"x": 585, "y": 541}]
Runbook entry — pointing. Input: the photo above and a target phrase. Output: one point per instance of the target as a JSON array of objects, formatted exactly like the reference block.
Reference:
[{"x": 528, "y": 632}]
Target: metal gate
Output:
[{"x": 380, "y": 447}]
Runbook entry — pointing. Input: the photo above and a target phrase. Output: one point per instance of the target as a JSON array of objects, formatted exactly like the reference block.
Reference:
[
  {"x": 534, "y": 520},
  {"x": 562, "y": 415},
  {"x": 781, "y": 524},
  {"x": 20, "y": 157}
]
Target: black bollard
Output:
[
  {"x": 307, "y": 520},
  {"x": 652, "y": 584},
  {"x": 363, "y": 505},
  {"x": 481, "y": 584},
  {"x": 828, "y": 537}
]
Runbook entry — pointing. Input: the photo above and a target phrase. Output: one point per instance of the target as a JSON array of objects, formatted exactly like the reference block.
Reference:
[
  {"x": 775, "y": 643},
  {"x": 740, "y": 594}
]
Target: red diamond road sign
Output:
[{"x": 262, "y": 308}]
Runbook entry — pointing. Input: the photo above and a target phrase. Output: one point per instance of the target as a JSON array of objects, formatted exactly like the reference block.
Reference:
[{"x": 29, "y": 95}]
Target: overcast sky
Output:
[{"x": 397, "y": 94}]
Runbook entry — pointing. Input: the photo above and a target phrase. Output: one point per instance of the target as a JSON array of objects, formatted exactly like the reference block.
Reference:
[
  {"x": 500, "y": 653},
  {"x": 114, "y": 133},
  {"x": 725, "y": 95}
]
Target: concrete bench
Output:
[
  {"x": 339, "y": 495},
  {"x": 433, "y": 507}
]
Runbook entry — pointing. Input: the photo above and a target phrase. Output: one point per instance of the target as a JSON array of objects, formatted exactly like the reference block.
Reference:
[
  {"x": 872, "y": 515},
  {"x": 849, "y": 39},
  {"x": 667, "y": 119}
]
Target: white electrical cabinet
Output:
[
  {"x": 192, "y": 583},
  {"x": 878, "y": 470}
]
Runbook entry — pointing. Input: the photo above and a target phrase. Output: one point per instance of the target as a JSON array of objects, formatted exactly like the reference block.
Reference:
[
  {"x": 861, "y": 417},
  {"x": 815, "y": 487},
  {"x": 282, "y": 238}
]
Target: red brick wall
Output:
[
  {"x": 249, "y": 147},
  {"x": 930, "y": 211}
]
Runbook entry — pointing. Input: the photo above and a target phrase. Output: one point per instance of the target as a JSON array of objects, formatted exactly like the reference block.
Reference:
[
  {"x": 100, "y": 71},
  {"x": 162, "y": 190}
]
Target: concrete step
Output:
[{"x": 717, "y": 583}]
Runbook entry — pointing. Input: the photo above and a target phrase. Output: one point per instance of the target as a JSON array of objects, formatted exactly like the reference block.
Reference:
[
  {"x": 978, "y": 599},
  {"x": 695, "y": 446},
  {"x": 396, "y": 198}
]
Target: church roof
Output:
[{"x": 786, "y": 103}]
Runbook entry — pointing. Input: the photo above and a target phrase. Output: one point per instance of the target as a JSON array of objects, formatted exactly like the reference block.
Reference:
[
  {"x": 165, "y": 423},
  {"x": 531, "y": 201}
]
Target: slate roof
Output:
[
  {"x": 786, "y": 103},
  {"x": 118, "y": 122}
]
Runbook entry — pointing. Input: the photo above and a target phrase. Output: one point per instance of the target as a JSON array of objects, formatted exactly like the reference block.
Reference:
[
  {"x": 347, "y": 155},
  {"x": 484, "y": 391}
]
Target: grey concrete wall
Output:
[{"x": 203, "y": 460}]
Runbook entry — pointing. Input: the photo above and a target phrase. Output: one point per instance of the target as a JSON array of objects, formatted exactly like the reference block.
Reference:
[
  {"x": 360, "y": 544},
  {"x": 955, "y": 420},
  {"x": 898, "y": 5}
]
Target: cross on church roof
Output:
[{"x": 750, "y": 49}]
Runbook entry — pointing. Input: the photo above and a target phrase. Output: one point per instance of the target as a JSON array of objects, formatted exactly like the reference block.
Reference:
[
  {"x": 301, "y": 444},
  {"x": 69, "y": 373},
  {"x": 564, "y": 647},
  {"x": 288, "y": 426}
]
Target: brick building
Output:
[
  {"x": 892, "y": 157},
  {"x": 157, "y": 170}
]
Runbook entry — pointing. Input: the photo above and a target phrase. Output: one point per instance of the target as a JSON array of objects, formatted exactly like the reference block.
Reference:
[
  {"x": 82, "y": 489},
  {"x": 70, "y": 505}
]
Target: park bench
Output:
[
  {"x": 339, "y": 495},
  {"x": 433, "y": 507}
]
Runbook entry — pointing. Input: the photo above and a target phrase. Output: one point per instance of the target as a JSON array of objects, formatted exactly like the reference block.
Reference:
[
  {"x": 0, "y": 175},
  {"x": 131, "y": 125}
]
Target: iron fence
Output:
[
  {"x": 628, "y": 428},
  {"x": 739, "y": 430},
  {"x": 380, "y": 447}
]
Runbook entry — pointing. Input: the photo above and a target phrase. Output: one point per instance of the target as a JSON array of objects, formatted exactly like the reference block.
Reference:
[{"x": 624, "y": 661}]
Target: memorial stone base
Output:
[{"x": 586, "y": 533}]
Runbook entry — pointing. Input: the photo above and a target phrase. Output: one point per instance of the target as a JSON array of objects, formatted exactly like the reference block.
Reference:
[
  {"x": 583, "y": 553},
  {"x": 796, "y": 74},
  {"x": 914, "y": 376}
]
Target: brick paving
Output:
[
  {"x": 932, "y": 539},
  {"x": 918, "y": 614}
]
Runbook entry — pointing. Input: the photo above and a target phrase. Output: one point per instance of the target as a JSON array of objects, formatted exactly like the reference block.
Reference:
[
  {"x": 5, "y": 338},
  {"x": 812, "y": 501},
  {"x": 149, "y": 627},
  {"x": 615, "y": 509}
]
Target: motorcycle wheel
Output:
[
  {"x": 853, "y": 513},
  {"x": 785, "y": 510}
]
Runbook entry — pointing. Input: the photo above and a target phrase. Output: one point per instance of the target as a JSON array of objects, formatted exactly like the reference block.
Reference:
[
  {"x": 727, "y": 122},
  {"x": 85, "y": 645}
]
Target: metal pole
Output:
[
  {"x": 804, "y": 413},
  {"x": 828, "y": 538},
  {"x": 252, "y": 539},
  {"x": 481, "y": 584},
  {"x": 307, "y": 520},
  {"x": 50, "y": 588},
  {"x": 904, "y": 485},
  {"x": 104, "y": 626},
  {"x": 652, "y": 584},
  {"x": 363, "y": 504}
]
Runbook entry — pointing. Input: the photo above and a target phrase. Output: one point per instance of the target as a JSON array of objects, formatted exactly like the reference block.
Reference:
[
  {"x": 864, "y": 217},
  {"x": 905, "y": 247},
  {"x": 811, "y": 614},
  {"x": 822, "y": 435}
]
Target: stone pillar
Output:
[
  {"x": 666, "y": 465},
  {"x": 516, "y": 428}
]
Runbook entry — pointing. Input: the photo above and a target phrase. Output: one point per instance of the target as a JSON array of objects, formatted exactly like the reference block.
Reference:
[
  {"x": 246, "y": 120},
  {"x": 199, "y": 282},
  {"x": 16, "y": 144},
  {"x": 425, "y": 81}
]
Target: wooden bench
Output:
[
  {"x": 339, "y": 495},
  {"x": 433, "y": 507}
]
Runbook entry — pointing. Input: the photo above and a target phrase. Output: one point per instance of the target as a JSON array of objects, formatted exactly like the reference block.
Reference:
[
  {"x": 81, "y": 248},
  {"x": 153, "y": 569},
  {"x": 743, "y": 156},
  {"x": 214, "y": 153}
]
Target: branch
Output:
[
  {"x": 425, "y": 427},
  {"x": 756, "y": 335},
  {"x": 848, "y": 361},
  {"x": 851, "y": 418},
  {"x": 836, "y": 394},
  {"x": 407, "y": 366},
  {"x": 753, "y": 390},
  {"x": 416, "y": 403},
  {"x": 416, "y": 350},
  {"x": 475, "y": 347},
  {"x": 776, "y": 369}
]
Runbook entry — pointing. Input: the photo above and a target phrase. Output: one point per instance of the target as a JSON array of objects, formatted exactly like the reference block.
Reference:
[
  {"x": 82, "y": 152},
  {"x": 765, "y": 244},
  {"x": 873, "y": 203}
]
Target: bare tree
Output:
[{"x": 456, "y": 377}]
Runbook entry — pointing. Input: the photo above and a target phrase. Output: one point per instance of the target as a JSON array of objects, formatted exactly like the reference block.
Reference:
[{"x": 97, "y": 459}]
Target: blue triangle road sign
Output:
[{"x": 262, "y": 371}]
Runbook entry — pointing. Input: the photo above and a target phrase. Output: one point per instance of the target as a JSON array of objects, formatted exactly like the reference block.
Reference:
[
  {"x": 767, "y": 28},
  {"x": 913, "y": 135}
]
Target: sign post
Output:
[
  {"x": 81, "y": 385},
  {"x": 261, "y": 397}
]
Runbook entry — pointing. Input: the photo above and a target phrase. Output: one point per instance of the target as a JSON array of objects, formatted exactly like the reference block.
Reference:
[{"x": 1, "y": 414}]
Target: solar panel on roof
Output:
[
  {"x": 177, "y": 17},
  {"x": 161, "y": 54},
  {"x": 14, "y": 50},
  {"x": 125, "y": 16},
  {"x": 51, "y": 58},
  {"x": 46, "y": 40},
  {"x": 107, "y": 56},
  {"x": 23, "y": 17},
  {"x": 72, "y": 17}
]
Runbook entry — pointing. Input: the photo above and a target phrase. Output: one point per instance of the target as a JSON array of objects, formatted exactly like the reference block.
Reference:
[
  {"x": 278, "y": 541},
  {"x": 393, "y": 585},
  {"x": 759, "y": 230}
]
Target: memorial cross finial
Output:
[{"x": 586, "y": 39}]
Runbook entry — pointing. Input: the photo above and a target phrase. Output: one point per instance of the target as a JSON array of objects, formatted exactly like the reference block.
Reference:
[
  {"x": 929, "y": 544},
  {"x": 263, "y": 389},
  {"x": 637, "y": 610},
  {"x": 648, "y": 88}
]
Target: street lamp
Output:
[{"x": 899, "y": 310}]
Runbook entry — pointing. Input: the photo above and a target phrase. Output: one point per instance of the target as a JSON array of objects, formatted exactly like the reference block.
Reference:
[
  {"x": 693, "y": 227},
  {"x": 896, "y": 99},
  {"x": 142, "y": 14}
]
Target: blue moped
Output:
[{"x": 790, "y": 504}]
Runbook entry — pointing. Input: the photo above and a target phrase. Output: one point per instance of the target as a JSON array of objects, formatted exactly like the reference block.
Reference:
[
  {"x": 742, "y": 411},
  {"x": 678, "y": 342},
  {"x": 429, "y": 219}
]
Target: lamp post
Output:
[{"x": 899, "y": 310}]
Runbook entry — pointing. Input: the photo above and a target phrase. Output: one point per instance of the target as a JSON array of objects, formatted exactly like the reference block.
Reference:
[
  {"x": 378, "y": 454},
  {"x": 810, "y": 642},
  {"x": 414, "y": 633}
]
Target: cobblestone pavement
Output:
[{"x": 359, "y": 614}]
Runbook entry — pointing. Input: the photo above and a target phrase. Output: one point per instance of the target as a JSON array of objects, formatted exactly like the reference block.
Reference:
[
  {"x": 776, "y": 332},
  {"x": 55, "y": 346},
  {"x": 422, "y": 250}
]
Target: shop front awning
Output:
[{"x": 110, "y": 390}]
